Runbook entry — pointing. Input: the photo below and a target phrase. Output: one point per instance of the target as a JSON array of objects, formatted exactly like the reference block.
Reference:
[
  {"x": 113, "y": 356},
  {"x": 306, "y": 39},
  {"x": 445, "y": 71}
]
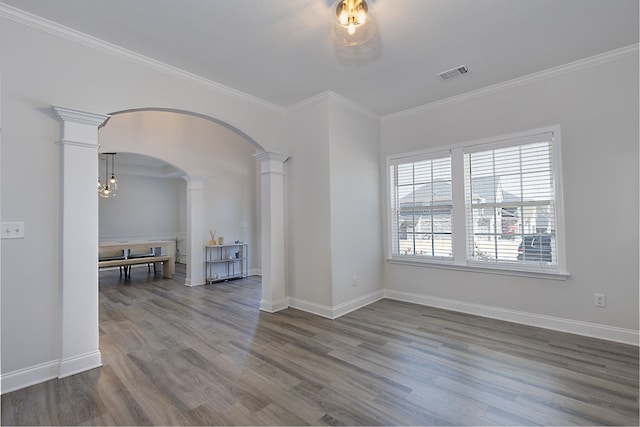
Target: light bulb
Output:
[
  {"x": 343, "y": 18},
  {"x": 351, "y": 29},
  {"x": 362, "y": 16},
  {"x": 113, "y": 179}
]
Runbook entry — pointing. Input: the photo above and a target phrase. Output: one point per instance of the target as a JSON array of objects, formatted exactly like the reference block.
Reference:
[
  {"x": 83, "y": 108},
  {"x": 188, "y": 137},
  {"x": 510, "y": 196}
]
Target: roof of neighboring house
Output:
[{"x": 438, "y": 193}]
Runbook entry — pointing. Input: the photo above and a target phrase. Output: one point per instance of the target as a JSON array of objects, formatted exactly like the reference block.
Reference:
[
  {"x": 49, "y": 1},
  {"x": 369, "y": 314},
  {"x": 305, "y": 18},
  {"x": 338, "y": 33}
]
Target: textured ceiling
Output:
[{"x": 280, "y": 51}]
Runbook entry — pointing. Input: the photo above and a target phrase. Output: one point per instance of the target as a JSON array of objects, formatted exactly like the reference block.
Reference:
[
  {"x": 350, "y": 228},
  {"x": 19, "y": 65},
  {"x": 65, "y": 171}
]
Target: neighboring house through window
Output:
[{"x": 495, "y": 203}]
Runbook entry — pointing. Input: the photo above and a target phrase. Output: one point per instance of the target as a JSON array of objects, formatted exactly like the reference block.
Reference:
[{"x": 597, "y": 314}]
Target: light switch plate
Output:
[{"x": 12, "y": 229}]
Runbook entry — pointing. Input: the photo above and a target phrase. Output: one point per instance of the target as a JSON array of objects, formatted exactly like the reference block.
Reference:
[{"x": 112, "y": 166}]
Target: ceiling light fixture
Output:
[
  {"x": 108, "y": 189},
  {"x": 351, "y": 22}
]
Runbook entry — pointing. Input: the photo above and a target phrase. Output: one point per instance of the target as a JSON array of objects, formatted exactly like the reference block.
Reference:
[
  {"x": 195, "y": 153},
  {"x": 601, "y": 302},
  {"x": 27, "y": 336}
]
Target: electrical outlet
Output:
[
  {"x": 12, "y": 230},
  {"x": 599, "y": 300},
  {"x": 354, "y": 281}
]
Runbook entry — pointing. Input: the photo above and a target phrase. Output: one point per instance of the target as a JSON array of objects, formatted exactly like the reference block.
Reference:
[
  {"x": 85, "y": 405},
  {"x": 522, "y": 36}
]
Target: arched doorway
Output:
[
  {"x": 219, "y": 170},
  {"x": 79, "y": 316}
]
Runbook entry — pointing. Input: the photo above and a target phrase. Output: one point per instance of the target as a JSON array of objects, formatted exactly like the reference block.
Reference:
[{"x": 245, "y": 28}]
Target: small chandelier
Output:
[
  {"x": 351, "y": 22},
  {"x": 108, "y": 189}
]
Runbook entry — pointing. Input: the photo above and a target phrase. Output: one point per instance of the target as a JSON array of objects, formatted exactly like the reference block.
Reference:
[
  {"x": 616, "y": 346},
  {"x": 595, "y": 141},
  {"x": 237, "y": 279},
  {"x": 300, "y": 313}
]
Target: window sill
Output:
[{"x": 538, "y": 274}]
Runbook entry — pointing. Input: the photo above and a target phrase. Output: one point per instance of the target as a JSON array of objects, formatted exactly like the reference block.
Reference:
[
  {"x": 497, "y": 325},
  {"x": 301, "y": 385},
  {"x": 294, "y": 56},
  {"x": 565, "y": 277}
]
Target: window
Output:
[
  {"x": 495, "y": 203},
  {"x": 421, "y": 205}
]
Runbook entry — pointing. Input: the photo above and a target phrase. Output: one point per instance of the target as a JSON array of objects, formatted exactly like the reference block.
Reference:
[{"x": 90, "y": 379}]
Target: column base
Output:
[{"x": 274, "y": 306}]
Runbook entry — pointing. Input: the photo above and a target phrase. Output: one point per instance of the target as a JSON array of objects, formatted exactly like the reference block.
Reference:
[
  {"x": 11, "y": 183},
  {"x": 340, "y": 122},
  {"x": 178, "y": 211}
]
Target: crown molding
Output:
[
  {"x": 25, "y": 18},
  {"x": 329, "y": 94},
  {"x": 308, "y": 101},
  {"x": 349, "y": 103},
  {"x": 520, "y": 81}
]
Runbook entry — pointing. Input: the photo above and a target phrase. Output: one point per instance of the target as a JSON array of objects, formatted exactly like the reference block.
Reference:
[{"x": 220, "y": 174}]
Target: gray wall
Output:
[
  {"x": 596, "y": 105},
  {"x": 144, "y": 208},
  {"x": 333, "y": 206}
]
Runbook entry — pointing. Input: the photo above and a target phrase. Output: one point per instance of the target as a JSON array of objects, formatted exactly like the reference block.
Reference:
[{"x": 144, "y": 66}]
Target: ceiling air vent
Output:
[{"x": 454, "y": 72}]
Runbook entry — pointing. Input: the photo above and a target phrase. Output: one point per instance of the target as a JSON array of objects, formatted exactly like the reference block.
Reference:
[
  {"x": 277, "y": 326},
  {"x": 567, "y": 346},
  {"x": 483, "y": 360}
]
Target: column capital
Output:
[
  {"x": 81, "y": 117},
  {"x": 271, "y": 162},
  {"x": 195, "y": 182},
  {"x": 270, "y": 155}
]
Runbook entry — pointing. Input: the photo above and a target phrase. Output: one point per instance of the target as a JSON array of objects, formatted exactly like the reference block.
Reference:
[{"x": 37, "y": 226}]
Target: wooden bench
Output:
[{"x": 167, "y": 263}]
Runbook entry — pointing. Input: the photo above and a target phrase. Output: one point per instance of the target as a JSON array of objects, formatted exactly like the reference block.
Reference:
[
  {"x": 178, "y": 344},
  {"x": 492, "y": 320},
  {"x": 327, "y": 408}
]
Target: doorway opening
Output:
[{"x": 219, "y": 175}]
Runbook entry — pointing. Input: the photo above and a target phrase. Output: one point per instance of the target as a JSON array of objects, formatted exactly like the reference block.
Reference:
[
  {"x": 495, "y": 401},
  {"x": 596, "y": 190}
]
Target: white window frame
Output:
[
  {"x": 461, "y": 260},
  {"x": 432, "y": 155}
]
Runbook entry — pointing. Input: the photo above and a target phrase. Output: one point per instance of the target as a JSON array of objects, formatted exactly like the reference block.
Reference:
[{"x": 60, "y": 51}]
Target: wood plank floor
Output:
[{"x": 175, "y": 355}]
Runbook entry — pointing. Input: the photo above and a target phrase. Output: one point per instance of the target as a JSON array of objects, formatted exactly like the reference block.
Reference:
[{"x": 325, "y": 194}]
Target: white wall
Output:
[
  {"x": 145, "y": 208},
  {"x": 333, "y": 198},
  {"x": 40, "y": 68},
  {"x": 356, "y": 224},
  {"x": 596, "y": 105},
  {"x": 308, "y": 226}
]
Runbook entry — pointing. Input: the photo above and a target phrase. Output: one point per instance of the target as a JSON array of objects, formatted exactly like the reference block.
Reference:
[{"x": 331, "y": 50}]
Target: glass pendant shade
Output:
[
  {"x": 351, "y": 22},
  {"x": 110, "y": 181}
]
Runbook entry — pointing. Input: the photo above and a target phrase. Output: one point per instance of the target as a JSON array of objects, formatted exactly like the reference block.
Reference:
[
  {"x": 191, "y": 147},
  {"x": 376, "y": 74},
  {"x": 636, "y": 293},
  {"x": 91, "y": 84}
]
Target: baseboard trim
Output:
[
  {"x": 354, "y": 304},
  {"x": 76, "y": 364},
  {"x": 311, "y": 307},
  {"x": 189, "y": 283},
  {"x": 593, "y": 330},
  {"x": 273, "y": 306},
  {"x": 338, "y": 310},
  {"x": 26, "y": 377}
]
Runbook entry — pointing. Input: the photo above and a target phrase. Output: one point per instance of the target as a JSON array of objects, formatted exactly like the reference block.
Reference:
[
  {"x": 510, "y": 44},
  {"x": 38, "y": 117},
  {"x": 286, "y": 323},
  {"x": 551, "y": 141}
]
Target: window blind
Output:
[
  {"x": 421, "y": 206},
  {"x": 510, "y": 203}
]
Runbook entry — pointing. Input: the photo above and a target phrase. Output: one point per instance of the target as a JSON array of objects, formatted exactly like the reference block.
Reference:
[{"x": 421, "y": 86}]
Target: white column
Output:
[
  {"x": 195, "y": 232},
  {"x": 79, "y": 346},
  {"x": 274, "y": 296}
]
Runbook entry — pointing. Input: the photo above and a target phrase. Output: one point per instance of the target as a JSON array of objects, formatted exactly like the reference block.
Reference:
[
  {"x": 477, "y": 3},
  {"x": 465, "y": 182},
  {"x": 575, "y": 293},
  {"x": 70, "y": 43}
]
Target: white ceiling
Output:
[{"x": 280, "y": 51}]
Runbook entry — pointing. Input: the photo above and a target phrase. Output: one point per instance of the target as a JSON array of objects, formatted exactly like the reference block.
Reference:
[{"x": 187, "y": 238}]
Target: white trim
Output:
[
  {"x": 79, "y": 116},
  {"x": 347, "y": 102},
  {"x": 29, "y": 376},
  {"x": 329, "y": 94},
  {"x": 519, "y": 81},
  {"x": 594, "y": 330},
  {"x": 154, "y": 237},
  {"x": 508, "y": 139},
  {"x": 357, "y": 303},
  {"x": 191, "y": 283},
  {"x": 274, "y": 306},
  {"x": 59, "y": 30},
  {"x": 272, "y": 156},
  {"x": 255, "y": 272},
  {"x": 77, "y": 364},
  {"x": 480, "y": 268},
  {"x": 311, "y": 307},
  {"x": 79, "y": 143},
  {"x": 308, "y": 101},
  {"x": 338, "y": 310}
]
